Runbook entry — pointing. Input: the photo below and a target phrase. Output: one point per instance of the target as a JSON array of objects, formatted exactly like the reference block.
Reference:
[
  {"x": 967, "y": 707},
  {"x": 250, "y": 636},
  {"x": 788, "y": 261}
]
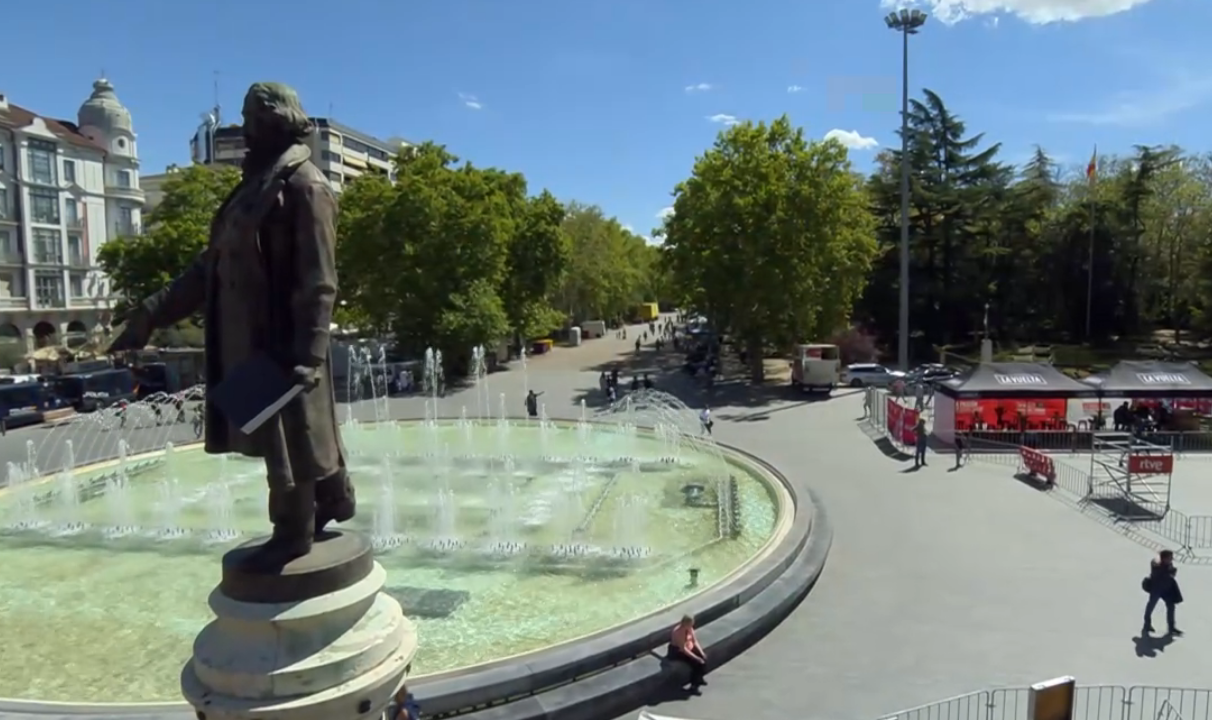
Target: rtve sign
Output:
[{"x": 1150, "y": 464}]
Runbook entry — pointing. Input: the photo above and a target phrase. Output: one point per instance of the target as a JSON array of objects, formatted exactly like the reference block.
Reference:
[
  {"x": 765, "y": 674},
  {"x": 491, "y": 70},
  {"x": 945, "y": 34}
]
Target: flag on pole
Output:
[{"x": 1092, "y": 168}]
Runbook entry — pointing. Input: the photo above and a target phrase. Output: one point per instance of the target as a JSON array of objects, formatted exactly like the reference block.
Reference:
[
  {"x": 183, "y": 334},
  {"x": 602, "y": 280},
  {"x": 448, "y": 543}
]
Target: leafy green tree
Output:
[
  {"x": 176, "y": 231},
  {"x": 450, "y": 255},
  {"x": 771, "y": 237},
  {"x": 610, "y": 269},
  {"x": 1043, "y": 246},
  {"x": 538, "y": 259}
]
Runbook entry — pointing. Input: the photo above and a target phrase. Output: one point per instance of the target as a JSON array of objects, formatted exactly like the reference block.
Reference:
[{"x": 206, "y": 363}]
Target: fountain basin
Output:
[{"x": 501, "y": 539}]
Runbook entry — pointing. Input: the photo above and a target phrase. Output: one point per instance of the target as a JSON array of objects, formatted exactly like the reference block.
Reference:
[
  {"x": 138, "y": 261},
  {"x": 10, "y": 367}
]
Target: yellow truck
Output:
[{"x": 649, "y": 312}]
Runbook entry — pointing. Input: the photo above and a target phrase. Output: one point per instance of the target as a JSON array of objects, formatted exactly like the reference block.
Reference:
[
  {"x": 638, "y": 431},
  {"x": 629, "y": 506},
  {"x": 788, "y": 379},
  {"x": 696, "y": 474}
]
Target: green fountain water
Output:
[{"x": 498, "y": 537}]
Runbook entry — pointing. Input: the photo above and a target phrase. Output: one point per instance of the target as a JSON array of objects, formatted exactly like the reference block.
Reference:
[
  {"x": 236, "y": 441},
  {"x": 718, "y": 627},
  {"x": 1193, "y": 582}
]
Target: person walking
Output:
[
  {"x": 920, "y": 443},
  {"x": 705, "y": 419},
  {"x": 1162, "y": 586}
]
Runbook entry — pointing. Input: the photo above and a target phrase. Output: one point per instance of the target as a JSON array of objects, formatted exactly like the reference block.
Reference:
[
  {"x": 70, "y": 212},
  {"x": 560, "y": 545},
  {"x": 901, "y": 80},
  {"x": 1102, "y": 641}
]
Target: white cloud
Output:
[
  {"x": 1135, "y": 109},
  {"x": 665, "y": 212},
  {"x": 723, "y": 119},
  {"x": 647, "y": 238},
  {"x": 701, "y": 87},
  {"x": 471, "y": 101},
  {"x": 1036, "y": 12},
  {"x": 794, "y": 89},
  {"x": 852, "y": 139}
]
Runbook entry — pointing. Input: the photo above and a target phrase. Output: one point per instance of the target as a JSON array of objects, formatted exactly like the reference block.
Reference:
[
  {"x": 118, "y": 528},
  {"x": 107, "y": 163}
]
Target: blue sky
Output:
[{"x": 609, "y": 101}]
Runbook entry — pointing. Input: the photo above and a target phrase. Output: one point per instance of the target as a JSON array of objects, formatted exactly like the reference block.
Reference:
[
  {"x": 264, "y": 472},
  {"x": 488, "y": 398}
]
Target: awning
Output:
[
  {"x": 1153, "y": 379},
  {"x": 1014, "y": 380}
]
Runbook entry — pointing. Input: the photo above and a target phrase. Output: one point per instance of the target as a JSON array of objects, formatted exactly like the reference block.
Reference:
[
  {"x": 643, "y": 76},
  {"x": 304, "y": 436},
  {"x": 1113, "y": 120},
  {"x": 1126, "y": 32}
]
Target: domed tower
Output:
[{"x": 106, "y": 121}]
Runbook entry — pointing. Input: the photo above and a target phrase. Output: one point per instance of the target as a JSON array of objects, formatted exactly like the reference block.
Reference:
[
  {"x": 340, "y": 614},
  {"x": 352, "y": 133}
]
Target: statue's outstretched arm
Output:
[
  {"x": 183, "y": 296},
  {"x": 315, "y": 288}
]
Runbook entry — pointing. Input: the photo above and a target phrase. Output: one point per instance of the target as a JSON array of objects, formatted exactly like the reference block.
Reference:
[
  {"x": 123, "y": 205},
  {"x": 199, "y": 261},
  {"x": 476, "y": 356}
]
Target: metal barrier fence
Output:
[
  {"x": 1187, "y": 533},
  {"x": 1094, "y": 702},
  {"x": 1075, "y": 441}
]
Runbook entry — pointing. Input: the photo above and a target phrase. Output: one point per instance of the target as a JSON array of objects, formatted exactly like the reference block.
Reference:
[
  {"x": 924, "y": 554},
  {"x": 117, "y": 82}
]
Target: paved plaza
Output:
[{"x": 939, "y": 582}]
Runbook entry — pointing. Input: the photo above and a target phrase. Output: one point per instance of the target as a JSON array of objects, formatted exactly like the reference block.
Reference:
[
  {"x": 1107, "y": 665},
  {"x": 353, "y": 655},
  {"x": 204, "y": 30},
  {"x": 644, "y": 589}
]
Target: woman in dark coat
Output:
[{"x": 1162, "y": 585}]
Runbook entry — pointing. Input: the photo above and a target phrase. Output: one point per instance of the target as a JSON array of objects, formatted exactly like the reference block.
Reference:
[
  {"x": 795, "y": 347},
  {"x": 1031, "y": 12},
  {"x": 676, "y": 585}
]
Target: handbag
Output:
[{"x": 1146, "y": 584}]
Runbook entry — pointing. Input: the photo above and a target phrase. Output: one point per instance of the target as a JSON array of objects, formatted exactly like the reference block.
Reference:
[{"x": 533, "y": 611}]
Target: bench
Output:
[{"x": 1038, "y": 464}]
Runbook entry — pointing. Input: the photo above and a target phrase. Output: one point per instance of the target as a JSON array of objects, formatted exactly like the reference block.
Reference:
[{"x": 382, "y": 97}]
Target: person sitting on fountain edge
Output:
[
  {"x": 684, "y": 648},
  {"x": 532, "y": 404}
]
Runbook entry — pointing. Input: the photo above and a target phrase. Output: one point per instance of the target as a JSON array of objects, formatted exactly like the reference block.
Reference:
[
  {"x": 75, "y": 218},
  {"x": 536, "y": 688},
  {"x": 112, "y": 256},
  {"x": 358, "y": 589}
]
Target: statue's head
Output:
[{"x": 273, "y": 115}]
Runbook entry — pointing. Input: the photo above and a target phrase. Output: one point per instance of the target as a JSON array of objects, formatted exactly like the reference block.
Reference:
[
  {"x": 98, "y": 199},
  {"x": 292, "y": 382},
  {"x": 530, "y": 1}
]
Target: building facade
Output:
[
  {"x": 65, "y": 189},
  {"x": 341, "y": 152}
]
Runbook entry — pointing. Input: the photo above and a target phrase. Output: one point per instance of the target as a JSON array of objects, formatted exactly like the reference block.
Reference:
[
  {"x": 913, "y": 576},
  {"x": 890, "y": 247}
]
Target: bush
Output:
[{"x": 855, "y": 346}]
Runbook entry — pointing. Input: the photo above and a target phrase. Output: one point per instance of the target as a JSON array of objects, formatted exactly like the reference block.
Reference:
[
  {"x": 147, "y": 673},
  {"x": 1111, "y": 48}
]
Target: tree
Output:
[
  {"x": 176, "y": 231},
  {"x": 610, "y": 269},
  {"x": 1042, "y": 247},
  {"x": 538, "y": 259},
  {"x": 771, "y": 237},
  {"x": 451, "y": 255}
]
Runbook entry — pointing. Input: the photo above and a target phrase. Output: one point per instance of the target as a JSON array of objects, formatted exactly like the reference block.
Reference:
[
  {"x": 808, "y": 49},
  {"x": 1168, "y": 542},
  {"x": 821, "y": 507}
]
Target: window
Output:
[
  {"x": 10, "y": 285},
  {"x": 3, "y": 203},
  {"x": 124, "y": 179},
  {"x": 44, "y": 206},
  {"x": 48, "y": 248},
  {"x": 71, "y": 211},
  {"x": 42, "y": 162},
  {"x": 8, "y": 250},
  {"x": 121, "y": 144},
  {"x": 330, "y": 157},
  {"x": 77, "y": 285},
  {"x": 1, "y": 157},
  {"x": 355, "y": 146},
  {"x": 75, "y": 250},
  {"x": 48, "y": 289},
  {"x": 126, "y": 222},
  {"x": 69, "y": 171}
]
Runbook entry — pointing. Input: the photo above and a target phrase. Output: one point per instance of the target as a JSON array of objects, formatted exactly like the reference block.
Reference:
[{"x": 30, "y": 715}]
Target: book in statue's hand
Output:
[{"x": 253, "y": 392}]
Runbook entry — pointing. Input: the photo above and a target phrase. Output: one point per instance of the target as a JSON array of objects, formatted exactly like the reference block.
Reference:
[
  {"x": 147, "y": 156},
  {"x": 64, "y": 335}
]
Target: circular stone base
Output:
[
  {"x": 341, "y": 654},
  {"x": 336, "y": 561}
]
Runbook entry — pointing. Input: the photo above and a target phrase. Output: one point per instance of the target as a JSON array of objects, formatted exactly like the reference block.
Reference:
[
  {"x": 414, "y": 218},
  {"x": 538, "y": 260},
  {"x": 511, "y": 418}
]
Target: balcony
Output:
[
  {"x": 11, "y": 257},
  {"x": 75, "y": 224},
  {"x": 14, "y": 303},
  {"x": 124, "y": 229},
  {"x": 77, "y": 260},
  {"x": 124, "y": 191}
]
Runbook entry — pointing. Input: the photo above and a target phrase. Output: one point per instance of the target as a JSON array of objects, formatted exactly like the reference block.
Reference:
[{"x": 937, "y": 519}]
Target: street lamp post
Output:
[{"x": 906, "y": 22}]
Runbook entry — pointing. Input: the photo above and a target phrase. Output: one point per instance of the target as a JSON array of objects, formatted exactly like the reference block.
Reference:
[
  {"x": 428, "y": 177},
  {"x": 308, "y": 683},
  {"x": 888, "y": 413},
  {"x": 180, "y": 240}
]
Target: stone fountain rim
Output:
[{"x": 526, "y": 674}]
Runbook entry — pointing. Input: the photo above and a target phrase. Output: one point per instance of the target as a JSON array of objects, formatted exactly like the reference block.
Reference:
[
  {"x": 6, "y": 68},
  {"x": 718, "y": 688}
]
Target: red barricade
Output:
[
  {"x": 901, "y": 421},
  {"x": 1037, "y": 463}
]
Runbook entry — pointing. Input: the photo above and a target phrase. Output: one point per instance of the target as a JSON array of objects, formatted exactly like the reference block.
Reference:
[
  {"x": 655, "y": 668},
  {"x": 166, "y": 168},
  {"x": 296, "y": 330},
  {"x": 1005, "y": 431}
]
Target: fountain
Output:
[{"x": 566, "y": 528}]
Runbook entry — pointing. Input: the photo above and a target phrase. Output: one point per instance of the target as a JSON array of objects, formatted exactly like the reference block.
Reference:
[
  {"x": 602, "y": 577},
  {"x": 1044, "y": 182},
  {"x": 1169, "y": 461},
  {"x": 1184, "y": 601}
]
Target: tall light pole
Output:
[{"x": 906, "y": 22}]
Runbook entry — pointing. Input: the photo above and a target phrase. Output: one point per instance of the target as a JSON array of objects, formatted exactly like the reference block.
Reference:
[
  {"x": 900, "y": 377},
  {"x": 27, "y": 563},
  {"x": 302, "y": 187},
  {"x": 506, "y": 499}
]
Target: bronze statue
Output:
[{"x": 266, "y": 283}]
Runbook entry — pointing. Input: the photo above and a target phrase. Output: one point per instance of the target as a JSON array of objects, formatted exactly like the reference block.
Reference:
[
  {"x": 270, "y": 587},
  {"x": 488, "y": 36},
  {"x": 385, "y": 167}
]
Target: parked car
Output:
[
  {"x": 870, "y": 374},
  {"x": 930, "y": 374}
]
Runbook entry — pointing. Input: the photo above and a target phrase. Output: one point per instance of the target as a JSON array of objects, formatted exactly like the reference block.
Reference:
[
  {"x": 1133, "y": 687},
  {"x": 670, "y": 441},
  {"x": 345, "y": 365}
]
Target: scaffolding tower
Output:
[{"x": 1130, "y": 476}]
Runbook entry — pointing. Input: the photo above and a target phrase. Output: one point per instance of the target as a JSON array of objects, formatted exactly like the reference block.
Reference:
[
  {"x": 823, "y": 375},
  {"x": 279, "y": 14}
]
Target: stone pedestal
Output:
[{"x": 315, "y": 639}]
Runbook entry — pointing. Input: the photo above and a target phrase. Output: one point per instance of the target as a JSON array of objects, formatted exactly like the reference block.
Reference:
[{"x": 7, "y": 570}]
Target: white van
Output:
[{"x": 816, "y": 367}]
